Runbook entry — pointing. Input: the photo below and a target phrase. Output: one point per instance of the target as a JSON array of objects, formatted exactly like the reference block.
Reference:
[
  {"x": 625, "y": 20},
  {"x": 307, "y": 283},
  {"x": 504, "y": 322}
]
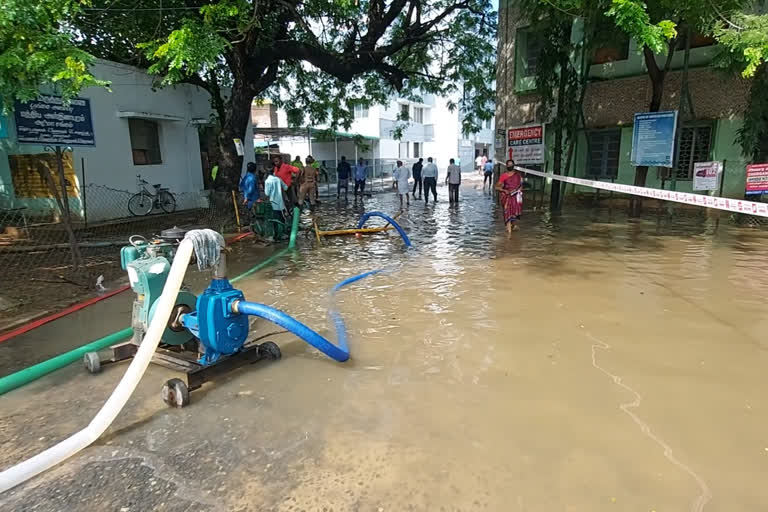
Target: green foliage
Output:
[
  {"x": 653, "y": 23},
  {"x": 184, "y": 51},
  {"x": 744, "y": 42},
  {"x": 37, "y": 49},
  {"x": 316, "y": 58},
  {"x": 745, "y": 39},
  {"x": 633, "y": 18},
  {"x": 753, "y": 135}
]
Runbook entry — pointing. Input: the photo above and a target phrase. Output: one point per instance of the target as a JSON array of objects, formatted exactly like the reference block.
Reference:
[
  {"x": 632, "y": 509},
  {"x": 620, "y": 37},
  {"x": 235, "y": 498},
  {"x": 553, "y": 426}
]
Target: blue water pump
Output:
[{"x": 215, "y": 324}]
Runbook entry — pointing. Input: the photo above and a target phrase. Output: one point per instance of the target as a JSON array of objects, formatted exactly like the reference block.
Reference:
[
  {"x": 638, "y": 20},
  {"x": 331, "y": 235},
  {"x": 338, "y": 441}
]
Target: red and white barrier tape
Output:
[{"x": 719, "y": 203}]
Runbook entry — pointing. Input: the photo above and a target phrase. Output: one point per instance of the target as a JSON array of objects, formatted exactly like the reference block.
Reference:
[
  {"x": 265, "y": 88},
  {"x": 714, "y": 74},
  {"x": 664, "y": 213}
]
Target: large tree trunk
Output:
[
  {"x": 657, "y": 77},
  {"x": 233, "y": 126},
  {"x": 560, "y": 125}
]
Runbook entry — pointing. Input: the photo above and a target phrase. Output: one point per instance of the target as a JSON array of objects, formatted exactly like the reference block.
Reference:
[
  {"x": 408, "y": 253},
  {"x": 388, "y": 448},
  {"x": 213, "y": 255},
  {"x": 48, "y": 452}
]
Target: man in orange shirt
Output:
[{"x": 285, "y": 172}]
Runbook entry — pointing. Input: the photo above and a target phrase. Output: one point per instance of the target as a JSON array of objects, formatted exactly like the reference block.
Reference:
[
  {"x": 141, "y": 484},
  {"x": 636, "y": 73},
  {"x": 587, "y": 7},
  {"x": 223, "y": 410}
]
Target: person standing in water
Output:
[
  {"x": 343, "y": 171},
  {"x": 510, "y": 188},
  {"x": 429, "y": 173},
  {"x": 417, "y": 182},
  {"x": 401, "y": 176},
  {"x": 274, "y": 188},
  {"x": 453, "y": 180},
  {"x": 249, "y": 186},
  {"x": 308, "y": 184},
  {"x": 285, "y": 172},
  {"x": 360, "y": 173},
  {"x": 488, "y": 175}
]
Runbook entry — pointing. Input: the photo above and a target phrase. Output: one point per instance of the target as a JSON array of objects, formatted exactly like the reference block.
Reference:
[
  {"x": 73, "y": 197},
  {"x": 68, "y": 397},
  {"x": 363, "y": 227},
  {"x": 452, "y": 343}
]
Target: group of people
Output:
[
  {"x": 284, "y": 185},
  {"x": 345, "y": 173},
  {"x": 484, "y": 167},
  {"x": 425, "y": 181},
  {"x": 287, "y": 185}
]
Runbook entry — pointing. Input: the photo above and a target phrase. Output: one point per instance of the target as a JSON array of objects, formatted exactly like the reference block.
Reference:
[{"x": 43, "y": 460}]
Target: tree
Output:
[
  {"x": 317, "y": 58},
  {"x": 654, "y": 26},
  {"x": 563, "y": 69},
  {"x": 745, "y": 39},
  {"x": 37, "y": 51}
]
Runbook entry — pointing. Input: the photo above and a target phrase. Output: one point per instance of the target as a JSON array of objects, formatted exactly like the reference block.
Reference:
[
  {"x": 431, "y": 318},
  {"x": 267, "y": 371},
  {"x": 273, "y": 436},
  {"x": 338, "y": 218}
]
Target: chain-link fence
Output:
[
  {"x": 378, "y": 176},
  {"x": 45, "y": 260}
]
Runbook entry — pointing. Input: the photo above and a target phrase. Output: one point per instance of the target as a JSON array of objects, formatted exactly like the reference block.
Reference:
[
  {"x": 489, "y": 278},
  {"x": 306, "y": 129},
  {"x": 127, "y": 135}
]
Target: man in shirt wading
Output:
[
  {"x": 429, "y": 173},
  {"x": 454, "y": 181}
]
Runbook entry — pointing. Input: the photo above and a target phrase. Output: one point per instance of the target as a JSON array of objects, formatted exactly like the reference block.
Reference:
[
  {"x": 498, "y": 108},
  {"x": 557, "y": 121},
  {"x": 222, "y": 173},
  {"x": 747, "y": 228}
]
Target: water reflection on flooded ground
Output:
[{"x": 588, "y": 363}]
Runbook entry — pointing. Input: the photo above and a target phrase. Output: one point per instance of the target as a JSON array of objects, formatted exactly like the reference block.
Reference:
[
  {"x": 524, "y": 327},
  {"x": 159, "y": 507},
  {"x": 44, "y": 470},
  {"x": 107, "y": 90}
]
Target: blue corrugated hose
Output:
[
  {"x": 387, "y": 218},
  {"x": 338, "y": 352}
]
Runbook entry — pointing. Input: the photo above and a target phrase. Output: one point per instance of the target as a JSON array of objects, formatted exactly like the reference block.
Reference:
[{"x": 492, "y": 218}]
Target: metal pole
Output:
[
  {"x": 309, "y": 140},
  {"x": 722, "y": 179},
  {"x": 381, "y": 168},
  {"x": 83, "y": 192},
  {"x": 336, "y": 163}
]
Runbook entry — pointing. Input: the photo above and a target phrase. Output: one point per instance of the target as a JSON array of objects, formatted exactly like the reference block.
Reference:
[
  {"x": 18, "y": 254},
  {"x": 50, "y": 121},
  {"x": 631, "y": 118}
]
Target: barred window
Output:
[
  {"x": 533, "y": 46},
  {"x": 695, "y": 145},
  {"x": 603, "y": 153}
]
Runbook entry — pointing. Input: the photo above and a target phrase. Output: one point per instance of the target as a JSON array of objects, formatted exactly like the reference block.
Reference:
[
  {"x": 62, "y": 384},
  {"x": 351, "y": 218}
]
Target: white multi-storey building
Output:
[{"x": 432, "y": 130}]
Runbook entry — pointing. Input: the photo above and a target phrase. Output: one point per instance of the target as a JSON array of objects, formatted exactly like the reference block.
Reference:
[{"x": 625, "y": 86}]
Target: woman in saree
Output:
[{"x": 510, "y": 188}]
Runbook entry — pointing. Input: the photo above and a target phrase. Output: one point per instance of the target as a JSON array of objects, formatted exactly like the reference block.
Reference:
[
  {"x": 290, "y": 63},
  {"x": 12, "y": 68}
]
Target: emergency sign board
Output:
[
  {"x": 525, "y": 144},
  {"x": 757, "y": 179}
]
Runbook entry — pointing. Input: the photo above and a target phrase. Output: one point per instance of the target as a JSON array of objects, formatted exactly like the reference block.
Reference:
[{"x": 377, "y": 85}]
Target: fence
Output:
[
  {"x": 40, "y": 262},
  {"x": 378, "y": 176},
  {"x": 741, "y": 212}
]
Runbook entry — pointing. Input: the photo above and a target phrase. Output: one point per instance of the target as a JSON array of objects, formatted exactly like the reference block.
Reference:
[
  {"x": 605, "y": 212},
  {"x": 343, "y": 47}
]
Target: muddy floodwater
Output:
[{"x": 588, "y": 363}]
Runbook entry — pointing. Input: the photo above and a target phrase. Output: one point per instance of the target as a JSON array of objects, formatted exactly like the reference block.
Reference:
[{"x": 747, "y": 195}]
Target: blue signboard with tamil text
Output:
[
  {"x": 49, "y": 120},
  {"x": 653, "y": 139}
]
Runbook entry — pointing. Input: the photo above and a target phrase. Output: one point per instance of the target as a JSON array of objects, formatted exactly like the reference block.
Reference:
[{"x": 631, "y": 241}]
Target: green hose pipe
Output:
[
  {"x": 34, "y": 372},
  {"x": 294, "y": 227}
]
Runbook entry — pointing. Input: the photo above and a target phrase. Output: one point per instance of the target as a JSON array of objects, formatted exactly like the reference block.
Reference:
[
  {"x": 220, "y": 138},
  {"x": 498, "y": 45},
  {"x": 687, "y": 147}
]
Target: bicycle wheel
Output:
[
  {"x": 167, "y": 201},
  {"x": 140, "y": 204}
]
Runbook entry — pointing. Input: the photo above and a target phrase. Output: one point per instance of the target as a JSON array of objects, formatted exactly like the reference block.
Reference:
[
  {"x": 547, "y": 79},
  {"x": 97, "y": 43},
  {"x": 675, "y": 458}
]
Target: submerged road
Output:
[{"x": 587, "y": 363}]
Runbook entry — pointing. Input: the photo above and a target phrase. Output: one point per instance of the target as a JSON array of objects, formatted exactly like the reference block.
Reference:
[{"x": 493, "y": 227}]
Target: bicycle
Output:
[{"x": 144, "y": 202}]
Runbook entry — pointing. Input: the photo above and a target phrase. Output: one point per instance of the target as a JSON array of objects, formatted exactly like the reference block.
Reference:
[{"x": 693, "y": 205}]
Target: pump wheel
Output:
[
  {"x": 270, "y": 350},
  {"x": 175, "y": 393},
  {"x": 92, "y": 362}
]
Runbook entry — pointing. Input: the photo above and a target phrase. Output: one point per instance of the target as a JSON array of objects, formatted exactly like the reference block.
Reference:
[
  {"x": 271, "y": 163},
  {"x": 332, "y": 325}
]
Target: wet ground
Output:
[{"x": 588, "y": 363}]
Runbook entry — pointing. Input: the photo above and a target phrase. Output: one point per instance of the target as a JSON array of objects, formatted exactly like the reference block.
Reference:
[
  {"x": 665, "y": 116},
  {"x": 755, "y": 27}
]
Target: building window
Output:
[
  {"x": 611, "y": 52},
  {"x": 402, "y": 151},
  {"x": 531, "y": 53},
  {"x": 603, "y": 153},
  {"x": 487, "y": 124},
  {"x": 418, "y": 114},
  {"x": 145, "y": 142},
  {"x": 404, "y": 112},
  {"x": 695, "y": 145},
  {"x": 416, "y": 149},
  {"x": 698, "y": 40},
  {"x": 361, "y": 111}
]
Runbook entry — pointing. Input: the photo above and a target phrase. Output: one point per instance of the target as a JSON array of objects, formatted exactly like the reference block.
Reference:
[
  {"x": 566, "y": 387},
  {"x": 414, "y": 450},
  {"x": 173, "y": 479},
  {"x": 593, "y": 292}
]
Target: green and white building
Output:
[{"x": 618, "y": 88}]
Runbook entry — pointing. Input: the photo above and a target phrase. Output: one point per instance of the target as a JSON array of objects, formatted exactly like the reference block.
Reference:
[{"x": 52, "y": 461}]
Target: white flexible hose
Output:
[{"x": 23, "y": 471}]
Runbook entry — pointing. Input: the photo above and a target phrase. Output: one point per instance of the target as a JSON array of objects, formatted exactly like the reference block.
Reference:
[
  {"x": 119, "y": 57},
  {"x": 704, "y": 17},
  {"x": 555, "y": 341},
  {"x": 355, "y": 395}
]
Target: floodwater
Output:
[{"x": 587, "y": 363}]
